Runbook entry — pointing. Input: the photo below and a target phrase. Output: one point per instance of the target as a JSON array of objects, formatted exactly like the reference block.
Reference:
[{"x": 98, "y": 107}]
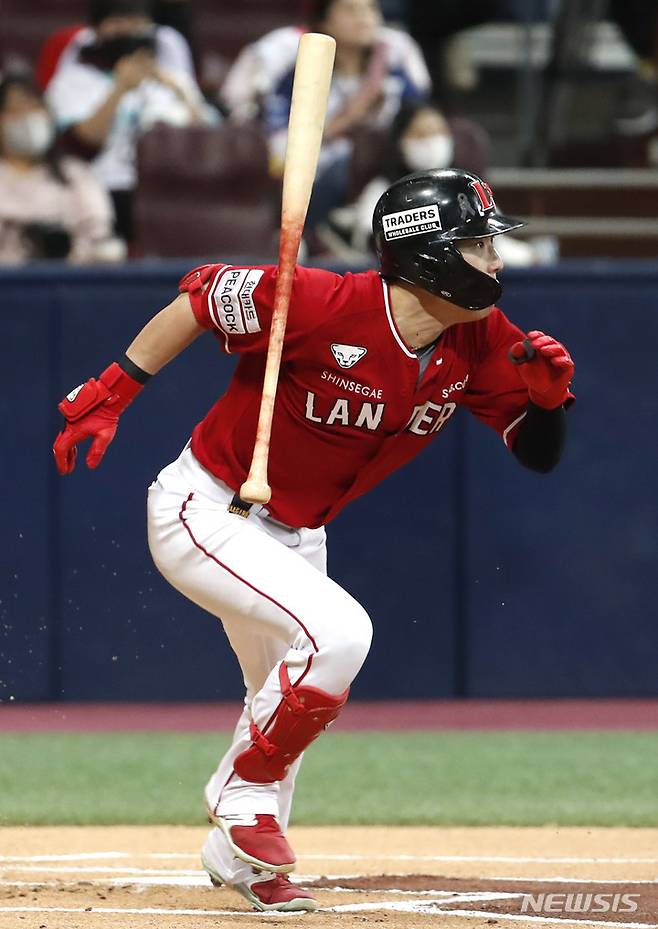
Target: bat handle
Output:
[{"x": 528, "y": 354}]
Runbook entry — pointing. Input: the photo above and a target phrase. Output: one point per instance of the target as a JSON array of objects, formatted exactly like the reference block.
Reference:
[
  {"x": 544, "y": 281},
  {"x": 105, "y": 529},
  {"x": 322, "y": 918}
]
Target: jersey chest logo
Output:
[{"x": 347, "y": 355}]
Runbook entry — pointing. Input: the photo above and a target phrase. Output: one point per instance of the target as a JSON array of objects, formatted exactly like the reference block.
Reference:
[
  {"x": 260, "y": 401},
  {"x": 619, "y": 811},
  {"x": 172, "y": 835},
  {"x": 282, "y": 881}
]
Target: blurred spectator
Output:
[
  {"x": 50, "y": 206},
  {"x": 638, "y": 107},
  {"x": 52, "y": 51},
  {"x": 172, "y": 50},
  {"x": 108, "y": 91},
  {"x": 421, "y": 138},
  {"x": 377, "y": 68}
]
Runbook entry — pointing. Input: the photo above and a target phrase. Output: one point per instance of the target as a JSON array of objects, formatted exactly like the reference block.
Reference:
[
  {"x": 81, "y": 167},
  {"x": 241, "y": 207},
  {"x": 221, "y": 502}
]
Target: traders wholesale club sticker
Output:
[{"x": 411, "y": 222}]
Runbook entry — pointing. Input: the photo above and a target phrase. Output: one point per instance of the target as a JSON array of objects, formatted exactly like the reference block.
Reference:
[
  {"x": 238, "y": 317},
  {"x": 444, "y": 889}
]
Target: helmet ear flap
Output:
[{"x": 446, "y": 273}]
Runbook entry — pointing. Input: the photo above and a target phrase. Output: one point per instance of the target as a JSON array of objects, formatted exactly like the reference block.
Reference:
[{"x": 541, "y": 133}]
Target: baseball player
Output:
[{"x": 374, "y": 366}]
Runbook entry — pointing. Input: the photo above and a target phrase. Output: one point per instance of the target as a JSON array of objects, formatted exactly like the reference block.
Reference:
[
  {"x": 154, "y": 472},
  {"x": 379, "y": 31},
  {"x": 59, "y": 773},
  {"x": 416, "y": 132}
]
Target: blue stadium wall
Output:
[{"x": 483, "y": 580}]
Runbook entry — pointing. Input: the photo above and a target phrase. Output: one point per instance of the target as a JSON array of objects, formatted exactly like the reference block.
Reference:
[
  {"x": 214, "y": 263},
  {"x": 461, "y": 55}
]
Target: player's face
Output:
[{"x": 481, "y": 254}]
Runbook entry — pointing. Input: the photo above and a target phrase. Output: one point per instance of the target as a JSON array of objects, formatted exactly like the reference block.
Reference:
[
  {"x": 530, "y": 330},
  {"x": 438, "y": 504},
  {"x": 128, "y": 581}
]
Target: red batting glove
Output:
[
  {"x": 548, "y": 373},
  {"x": 92, "y": 410}
]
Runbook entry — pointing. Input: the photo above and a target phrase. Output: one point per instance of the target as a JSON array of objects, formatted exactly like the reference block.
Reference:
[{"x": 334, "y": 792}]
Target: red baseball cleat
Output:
[
  {"x": 276, "y": 893},
  {"x": 258, "y": 840},
  {"x": 265, "y": 890}
]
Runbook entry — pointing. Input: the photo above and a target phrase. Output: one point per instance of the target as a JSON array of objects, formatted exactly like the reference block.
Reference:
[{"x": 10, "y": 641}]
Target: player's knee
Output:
[{"x": 351, "y": 644}]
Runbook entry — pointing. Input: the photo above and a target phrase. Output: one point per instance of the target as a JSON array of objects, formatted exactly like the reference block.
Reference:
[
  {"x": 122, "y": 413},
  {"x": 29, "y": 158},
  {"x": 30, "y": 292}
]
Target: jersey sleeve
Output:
[
  {"x": 496, "y": 394},
  {"x": 236, "y": 303}
]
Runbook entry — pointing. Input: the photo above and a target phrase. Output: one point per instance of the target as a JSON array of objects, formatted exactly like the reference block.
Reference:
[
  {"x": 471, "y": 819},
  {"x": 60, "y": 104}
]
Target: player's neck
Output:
[
  {"x": 421, "y": 317},
  {"x": 418, "y": 323}
]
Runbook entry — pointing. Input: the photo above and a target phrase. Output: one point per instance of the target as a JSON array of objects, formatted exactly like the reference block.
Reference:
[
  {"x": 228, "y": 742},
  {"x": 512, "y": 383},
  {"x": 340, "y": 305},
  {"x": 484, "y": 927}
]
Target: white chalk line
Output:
[
  {"x": 555, "y": 920},
  {"x": 82, "y": 856},
  {"x": 130, "y": 870},
  {"x": 439, "y": 897},
  {"x": 434, "y": 908},
  {"x": 198, "y": 878},
  {"x": 142, "y": 877},
  {"x": 204, "y": 882},
  {"x": 57, "y": 869},
  {"x": 566, "y": 880},
  {"x": 431, "y": 905},
  {"x": 134, "y": 911},
  {"x": 426, "y": 907}
]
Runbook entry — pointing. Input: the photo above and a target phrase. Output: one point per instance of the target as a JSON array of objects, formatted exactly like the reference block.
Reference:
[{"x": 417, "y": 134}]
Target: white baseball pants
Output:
[{"x": 267, "y": 584}]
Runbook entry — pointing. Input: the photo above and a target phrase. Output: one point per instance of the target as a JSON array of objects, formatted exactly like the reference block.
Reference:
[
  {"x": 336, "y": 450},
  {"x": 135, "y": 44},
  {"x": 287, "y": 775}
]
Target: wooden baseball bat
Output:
[{"x": 313, "y": 68}]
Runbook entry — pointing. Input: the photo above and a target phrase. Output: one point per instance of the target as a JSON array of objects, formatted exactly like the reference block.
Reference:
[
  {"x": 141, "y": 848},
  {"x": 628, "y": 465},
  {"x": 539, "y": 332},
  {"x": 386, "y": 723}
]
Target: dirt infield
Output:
[{"x": 412, "y": 878}]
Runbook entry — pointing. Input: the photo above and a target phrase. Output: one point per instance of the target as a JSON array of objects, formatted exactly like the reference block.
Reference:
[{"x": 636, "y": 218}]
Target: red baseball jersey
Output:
[{"x": 350, "y": 408}]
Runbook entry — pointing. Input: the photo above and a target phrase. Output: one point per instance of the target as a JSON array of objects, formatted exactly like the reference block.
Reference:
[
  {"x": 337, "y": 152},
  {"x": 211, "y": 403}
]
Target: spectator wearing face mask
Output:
[
  {"x": 112, "y": 90},
  {"x": 421, "y": 138},
  {"x": 424, "y": 138},
  {"x": 376, "y": 69},
  {"x": 51, "y": 207}
]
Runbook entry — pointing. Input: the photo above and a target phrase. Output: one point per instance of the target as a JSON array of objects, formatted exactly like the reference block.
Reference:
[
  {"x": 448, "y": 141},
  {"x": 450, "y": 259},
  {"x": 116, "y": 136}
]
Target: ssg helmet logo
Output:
[
  {"x": 484, "y": 197},
  {"x": 347, "y": 355}
]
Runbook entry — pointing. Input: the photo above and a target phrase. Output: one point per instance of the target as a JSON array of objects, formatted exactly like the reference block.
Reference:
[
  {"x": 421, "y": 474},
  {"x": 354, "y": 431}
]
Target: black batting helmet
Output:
[{"x": 418, "y": 219}]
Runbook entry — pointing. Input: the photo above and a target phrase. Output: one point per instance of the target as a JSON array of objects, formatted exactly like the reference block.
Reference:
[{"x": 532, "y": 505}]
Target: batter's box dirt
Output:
[
  {"x": 410, "y": 901},
  {"x": 629, "y": 904},
  {"x": 150, "y": 877}
]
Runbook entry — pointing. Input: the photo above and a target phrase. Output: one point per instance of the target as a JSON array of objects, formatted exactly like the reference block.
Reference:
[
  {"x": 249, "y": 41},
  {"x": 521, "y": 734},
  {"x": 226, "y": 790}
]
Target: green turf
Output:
[{"x": 493, "y": 778}]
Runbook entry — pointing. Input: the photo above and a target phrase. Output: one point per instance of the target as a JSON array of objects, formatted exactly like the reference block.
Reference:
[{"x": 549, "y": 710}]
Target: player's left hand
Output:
[{"x": 548, "y": 373}]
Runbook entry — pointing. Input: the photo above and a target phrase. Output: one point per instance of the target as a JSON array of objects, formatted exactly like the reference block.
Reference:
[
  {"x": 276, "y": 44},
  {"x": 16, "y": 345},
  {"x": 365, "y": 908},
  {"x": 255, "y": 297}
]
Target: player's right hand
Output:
[
  {"x": 546, "y": 367},
  {"x": 92, "y": 411},
  {"x": 99, "y": 425}
]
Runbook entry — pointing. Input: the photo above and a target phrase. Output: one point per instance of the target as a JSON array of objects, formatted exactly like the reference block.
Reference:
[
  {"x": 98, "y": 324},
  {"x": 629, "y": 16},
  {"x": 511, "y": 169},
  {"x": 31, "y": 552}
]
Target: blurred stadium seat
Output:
[
  {"x": 472, "y": 145},
  {"x": 25, "y": 26},
  {"x": 205, "y": 190},
  {"x": 593, "y": 212}
]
